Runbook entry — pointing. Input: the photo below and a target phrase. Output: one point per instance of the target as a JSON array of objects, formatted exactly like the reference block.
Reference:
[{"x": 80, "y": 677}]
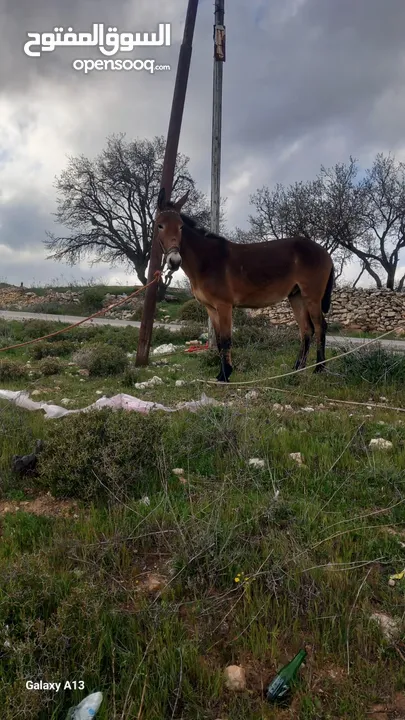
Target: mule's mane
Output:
[{"x": 192, "y": 223}]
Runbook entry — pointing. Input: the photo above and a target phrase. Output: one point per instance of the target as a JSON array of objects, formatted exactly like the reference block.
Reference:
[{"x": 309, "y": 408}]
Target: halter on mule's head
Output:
[{"x": 170, "y": 225}]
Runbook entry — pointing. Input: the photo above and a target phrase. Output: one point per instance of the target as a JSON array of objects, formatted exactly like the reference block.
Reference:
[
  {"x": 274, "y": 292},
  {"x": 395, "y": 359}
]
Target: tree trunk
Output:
[
  {"x": 390, "y": 284},
  {"x": 140, "y": 269},
  {"x": 373, "y": 274}
]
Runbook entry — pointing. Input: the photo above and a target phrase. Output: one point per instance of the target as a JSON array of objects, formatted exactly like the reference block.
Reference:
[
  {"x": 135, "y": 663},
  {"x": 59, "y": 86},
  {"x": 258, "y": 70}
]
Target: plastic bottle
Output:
[
  {"x": 87, "y": 709},
  {"x": 281, "y": 685}
]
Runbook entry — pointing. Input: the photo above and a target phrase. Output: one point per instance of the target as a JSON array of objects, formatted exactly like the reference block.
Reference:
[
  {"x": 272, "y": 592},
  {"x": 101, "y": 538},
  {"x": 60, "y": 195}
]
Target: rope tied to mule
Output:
[{"x": 156, "y": 278}]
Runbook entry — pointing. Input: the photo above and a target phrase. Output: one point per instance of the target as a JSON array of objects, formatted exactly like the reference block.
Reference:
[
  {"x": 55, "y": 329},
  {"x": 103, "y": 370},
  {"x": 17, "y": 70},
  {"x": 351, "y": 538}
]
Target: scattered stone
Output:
[
  {"x": 99, "y": 392},
  {"x": 145, "y": 500},
  {"x": 380, "y": 444},
  {"x": 180, "y": 383},
  {"x": 235, "y": 678},
  {"x": 149, "y": 383},
  {"x": 252, "y": 395},
  {"x": 391, "y": 582},
  {"x": 390, "y": 627},
  {"x": 36, "y": 392},
  {"x": 308, "y": 409},
  {"x": 84, "y": 372},
  {"x": 297, "y": 457},
  {"x": 256, "y": 463},
  {"x": 178, "y": 471}
]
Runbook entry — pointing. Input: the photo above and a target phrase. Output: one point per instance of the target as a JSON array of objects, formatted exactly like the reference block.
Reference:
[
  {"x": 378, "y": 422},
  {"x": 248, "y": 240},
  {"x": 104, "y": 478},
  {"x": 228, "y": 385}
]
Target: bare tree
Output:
[
  {"x": 244, "y": 237},
  {"x": 294, "y": 210},
  {"x": 108, "y": 204},
  {"x": 351, "y": 217}
]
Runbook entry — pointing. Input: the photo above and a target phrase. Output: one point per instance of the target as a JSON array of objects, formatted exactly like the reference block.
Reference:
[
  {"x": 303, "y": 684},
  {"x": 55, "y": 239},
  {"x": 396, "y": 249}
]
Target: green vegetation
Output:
[{"x": 312, "y": 545}]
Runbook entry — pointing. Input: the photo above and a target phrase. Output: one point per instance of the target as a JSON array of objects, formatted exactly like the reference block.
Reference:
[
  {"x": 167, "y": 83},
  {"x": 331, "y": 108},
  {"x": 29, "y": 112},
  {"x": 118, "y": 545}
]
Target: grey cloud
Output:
[
  {"x": 306, "y": 82},
  {"x": 325, "y": 65}
]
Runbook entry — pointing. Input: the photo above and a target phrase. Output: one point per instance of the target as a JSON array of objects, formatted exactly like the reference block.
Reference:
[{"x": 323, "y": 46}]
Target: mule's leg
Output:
[
  {"x": 225, "y": 333},
  {"x": 213, "y": 315},
  {"x": 321, "y": 326},
  {"x": 306, "y": 328}
]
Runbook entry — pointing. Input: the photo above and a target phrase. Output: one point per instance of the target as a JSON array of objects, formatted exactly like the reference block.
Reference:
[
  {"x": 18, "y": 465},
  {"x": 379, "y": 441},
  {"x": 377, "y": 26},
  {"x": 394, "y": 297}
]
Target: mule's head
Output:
[{"x": 170, "y": 224}]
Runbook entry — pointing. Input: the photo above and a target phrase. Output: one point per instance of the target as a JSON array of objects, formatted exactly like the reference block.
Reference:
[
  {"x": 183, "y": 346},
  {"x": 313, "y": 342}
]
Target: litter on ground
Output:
[
  {"x": 165, "y": 349},
  {"x": 117, "y": 402}
]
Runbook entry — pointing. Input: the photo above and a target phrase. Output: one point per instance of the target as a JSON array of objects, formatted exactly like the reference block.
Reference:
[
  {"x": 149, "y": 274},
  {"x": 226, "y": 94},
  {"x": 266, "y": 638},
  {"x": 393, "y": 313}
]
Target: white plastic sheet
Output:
[{"x": 117, "y": 402}]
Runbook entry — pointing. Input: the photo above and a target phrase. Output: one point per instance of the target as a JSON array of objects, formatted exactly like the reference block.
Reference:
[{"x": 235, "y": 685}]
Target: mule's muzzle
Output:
[{"x": 173, "y": 260}]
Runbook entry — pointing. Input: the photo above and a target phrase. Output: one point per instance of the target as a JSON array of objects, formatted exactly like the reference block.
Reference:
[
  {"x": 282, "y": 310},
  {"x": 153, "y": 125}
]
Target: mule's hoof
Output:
[
  {"x": 222, "y": 378},
  {"x": 224, "y": 373},
  {"x": 319, "y": 369}
]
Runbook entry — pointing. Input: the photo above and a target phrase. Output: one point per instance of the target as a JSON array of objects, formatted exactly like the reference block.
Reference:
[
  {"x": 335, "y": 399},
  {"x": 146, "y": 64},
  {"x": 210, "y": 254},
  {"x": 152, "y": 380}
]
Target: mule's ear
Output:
[
  {"x": 161, "y": 201},
  {"x": 179, "y": 204}
]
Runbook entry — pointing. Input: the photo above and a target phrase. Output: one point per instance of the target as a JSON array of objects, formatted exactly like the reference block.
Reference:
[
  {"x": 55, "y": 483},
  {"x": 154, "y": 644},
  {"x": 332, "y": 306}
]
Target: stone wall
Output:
[{"x": 357, "y": 309}]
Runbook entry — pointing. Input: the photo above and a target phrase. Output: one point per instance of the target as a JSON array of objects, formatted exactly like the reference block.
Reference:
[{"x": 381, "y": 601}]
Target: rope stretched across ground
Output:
[
  {"x": 100, "y": 312},
  {"x": 295, "y": 372}
]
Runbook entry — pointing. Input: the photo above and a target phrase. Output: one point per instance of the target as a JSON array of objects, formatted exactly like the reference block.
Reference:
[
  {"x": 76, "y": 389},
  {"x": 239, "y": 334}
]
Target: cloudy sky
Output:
[{"x": 306, "y": 82}]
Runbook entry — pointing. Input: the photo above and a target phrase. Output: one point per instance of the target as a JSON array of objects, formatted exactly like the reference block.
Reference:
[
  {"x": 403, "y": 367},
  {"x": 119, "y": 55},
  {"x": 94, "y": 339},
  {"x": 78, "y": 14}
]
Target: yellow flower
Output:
[{"x": 237, "y": 579}]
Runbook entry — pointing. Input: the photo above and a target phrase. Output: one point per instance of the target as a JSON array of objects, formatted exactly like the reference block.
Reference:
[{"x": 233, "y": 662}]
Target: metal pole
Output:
[
  {"x": 219, "y": 59},
  {"x": 169, "y": 164}
]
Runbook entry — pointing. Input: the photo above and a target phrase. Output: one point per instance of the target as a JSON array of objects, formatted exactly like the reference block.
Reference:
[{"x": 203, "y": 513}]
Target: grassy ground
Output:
[{"x": 249, "y": 564}]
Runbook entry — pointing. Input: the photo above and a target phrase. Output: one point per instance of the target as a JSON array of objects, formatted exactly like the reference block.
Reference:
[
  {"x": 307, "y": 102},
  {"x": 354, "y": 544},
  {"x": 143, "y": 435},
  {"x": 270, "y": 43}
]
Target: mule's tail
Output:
[{"x": 328, "y": 292}]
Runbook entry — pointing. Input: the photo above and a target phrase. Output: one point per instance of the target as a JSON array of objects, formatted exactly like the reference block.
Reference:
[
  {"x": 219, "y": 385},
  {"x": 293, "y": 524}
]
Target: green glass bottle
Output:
[{"x": 281, "y": 685}]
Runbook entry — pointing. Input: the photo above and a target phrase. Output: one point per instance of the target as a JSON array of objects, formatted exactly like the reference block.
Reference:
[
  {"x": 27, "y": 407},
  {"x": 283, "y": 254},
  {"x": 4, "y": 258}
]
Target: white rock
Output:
[
  {"x": 256, "y": 463},
  {"x": 145, "y": 500},
  {"x": 252, "y": 395},
  {"x": 297, "y": 457},
  {"x": 308, "y": 409},
  {"x": 380, "y": 444},
  {"x": 180, "y": 383},
  {"x": 178, "y": 471},
  {"x": 235, "y": 678},
  {"x": 149, "y": 383},
  {"x": 390, "y": 627}
]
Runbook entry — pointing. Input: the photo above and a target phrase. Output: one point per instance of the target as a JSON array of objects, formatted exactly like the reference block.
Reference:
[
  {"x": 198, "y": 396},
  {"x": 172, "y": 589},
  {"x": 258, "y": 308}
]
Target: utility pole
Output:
[
  {"x": 219, "y": 59},
  {"x": 169, "y": 164}
]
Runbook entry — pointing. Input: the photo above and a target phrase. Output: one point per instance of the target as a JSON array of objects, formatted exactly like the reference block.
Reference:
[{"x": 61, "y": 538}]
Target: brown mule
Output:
[{"x": 224, "y": 275}]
